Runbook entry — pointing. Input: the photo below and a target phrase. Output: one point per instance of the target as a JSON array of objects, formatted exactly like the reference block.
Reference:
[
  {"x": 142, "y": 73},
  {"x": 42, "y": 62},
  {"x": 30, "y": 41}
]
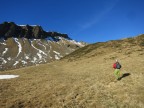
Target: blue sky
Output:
[{"x": 83, "y": 20}]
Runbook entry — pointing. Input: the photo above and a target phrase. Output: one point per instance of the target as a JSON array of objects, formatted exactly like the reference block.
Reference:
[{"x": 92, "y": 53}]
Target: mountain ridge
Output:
[
  {"x": 10, "y": 29},
  {"x": 119, "y": 45}
]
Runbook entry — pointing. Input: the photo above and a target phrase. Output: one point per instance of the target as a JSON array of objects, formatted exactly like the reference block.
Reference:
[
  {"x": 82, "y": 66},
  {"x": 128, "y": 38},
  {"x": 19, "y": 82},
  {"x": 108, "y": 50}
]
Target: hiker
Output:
[{"x": 117, "y": 67}]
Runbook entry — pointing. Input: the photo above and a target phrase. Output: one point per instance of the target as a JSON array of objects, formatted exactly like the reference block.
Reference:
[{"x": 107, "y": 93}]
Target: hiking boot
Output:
[{"x": 119, "y": 79}]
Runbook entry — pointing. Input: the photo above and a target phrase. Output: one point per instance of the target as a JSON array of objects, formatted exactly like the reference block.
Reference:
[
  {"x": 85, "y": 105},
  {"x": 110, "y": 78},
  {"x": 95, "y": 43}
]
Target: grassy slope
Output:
[{"x": 84, "y": 79}]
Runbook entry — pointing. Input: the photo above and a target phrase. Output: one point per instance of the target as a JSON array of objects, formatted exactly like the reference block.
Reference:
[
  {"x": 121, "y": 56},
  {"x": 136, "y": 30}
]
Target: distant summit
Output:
[{"x": 10, "y": 29}]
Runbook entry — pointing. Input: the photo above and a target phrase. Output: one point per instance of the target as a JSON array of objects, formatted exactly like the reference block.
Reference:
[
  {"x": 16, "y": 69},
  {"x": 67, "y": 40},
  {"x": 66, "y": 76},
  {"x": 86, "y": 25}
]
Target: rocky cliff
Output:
[
  {"x": 10, "y": 29},
  {"x": 26, "y": 45}
]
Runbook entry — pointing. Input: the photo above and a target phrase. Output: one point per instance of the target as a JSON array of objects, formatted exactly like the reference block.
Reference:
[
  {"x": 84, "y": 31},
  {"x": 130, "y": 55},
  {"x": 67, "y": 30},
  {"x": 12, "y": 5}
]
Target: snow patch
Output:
[
  {"x": 56, "y": 57},
  {"x": 24, "y": 62},
  {"x": 27, "y": 57},
  {"x": 21, "y": 25},
  {"x": 3, "y": 43},
  {"x": 34, "y": 60},
  {"x": 40, "y": 61},
  {"x": 39, "y": 55},
  {"x": 50, "y": 38},
  {"x": 8, "y": 76},
  {"x": 29, "y": 25},
  {"x": 3, "y": 60},
  {"x": 77, "y": 43},
  {"x": 62, "y": 39},
  {"x": 72, "y": 41},
  {"x": 9, "y": 58}
]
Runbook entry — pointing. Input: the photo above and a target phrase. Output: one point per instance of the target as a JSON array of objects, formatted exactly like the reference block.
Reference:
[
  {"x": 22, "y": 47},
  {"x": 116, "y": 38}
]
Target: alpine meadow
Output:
[{"x": 82, "y": 79}]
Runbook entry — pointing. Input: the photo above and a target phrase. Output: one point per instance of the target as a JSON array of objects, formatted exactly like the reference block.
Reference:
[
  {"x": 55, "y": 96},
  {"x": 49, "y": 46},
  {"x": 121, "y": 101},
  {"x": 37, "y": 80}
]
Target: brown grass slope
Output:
[
  {"x": 127, "y": 45},
  {"x": 83, "y": 79}
]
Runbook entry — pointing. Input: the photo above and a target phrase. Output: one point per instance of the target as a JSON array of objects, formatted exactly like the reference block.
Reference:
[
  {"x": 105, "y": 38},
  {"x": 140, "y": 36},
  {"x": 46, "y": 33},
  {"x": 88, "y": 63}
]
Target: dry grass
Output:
[{"x": 87, "y": 82}]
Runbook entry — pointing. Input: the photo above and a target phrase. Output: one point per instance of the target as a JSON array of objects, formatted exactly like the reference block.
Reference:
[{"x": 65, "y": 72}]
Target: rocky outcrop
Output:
[{"x": 10, "y": 29}]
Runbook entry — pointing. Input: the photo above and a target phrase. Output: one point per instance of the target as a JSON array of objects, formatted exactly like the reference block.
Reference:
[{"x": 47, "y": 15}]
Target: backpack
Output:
[
  {"x": 118, "y": 66},
  {"x": 114, "y": 65}
]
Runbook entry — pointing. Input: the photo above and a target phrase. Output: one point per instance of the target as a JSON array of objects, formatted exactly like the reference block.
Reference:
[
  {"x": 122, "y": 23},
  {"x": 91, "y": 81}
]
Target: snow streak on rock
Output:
[
  {"x": 33, "y": 51},
  {"x": 19, "y": 46},
  {"x": 57, "y": 53},
  {"x": 15, "y": 63},
  {"x": 77, "y": 43},
  {"x": 3, "y": 60},
  {"x": 6, "y": 49},
  {"x": 40, "y": 51}
]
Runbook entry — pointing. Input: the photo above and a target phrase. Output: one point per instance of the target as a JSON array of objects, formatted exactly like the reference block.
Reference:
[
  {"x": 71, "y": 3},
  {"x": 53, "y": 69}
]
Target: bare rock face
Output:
[
  {"x": 22, "y": 46},
  {"x": 10, "y": 29}
]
